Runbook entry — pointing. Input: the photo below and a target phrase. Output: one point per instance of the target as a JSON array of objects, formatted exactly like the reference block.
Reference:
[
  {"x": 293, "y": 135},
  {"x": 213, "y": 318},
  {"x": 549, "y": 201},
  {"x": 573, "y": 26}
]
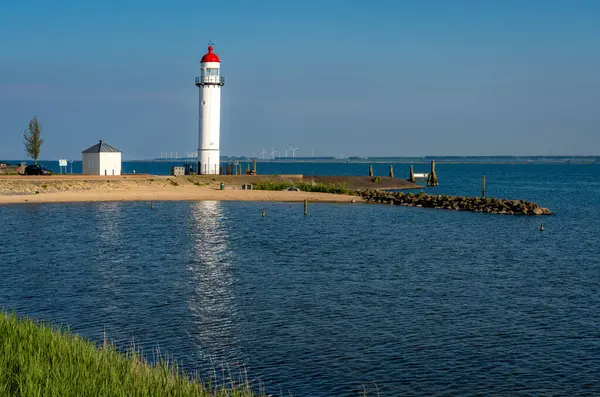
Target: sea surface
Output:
[{"x": 400, "y": 301}]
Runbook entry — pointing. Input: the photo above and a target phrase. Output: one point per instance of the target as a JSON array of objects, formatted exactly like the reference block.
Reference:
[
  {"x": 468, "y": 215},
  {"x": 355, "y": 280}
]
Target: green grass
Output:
[
  {"x": 37, "y": 360},
  {"x": 305, "y": 187}
]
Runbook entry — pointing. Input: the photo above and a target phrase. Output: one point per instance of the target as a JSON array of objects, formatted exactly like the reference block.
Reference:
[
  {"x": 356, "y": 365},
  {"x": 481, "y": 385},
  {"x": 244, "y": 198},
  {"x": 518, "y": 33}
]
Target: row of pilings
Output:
[
  {"x": 236, "y": 169},
  {"x": 457, "y": 203},
  {"x": 431, "y": 177}
]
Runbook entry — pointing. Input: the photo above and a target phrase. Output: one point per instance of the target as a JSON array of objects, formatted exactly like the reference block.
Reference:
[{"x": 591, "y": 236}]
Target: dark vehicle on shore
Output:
[{"x": 36, "y": 169}]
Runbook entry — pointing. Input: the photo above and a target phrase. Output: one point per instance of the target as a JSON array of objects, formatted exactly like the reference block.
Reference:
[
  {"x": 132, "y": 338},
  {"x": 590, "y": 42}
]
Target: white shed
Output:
[{"x": 101, "y": 159}]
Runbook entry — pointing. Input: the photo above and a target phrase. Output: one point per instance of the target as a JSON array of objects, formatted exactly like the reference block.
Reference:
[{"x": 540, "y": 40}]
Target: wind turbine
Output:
[
  {"x": 272, "y": 154},
  {"x": 263, "y": 153},
  {"x": 293, "y": 151}
]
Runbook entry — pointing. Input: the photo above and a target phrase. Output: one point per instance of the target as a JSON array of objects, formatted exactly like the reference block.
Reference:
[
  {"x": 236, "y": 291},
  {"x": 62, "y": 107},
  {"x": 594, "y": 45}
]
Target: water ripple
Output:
[{"x": 406, "y": 301}]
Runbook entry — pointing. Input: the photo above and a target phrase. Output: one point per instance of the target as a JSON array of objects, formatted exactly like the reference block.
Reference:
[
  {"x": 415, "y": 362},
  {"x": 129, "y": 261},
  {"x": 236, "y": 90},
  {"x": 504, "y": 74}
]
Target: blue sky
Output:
[{"x": 389, "y": 78}]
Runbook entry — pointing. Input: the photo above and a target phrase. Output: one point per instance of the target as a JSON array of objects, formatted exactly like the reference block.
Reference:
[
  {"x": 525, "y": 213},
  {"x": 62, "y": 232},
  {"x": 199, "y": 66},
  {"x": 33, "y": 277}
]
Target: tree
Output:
[{"x": 33, "y": 142}]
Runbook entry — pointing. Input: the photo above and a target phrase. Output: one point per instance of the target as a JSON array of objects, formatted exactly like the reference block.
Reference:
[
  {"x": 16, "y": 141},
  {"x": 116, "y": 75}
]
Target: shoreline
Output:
[
  {"x": 176, "y": 194},
  {"x": 140, "y": 187},
  {"x": 62, "y": 189}
]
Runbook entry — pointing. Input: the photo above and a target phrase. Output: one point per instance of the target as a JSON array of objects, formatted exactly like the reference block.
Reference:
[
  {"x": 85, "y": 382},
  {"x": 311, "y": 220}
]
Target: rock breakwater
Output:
[{"x": 457, "y": 203}]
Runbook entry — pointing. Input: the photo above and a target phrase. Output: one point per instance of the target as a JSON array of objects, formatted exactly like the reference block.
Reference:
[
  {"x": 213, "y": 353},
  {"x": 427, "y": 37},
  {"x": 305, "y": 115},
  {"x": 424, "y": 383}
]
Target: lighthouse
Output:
[{"x": 209, "y": 82}]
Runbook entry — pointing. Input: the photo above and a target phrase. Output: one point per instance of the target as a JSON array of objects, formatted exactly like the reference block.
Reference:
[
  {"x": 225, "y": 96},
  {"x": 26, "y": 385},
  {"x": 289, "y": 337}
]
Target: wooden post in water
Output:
[
  {"x": 305, "y": 207},
  {"x": 432, "y": 180},
  {"x": 412, "y": 175},
  {"x": 483, "y": 187},
  {"x": 248, "y": 168},
  {"x": 391, "y": 171},
  {"x": 254, "y": 166},
  {"x": 221, "y": 170},
  {"x": 371, "y": 170},
  {"x": 239, "y": 169}
]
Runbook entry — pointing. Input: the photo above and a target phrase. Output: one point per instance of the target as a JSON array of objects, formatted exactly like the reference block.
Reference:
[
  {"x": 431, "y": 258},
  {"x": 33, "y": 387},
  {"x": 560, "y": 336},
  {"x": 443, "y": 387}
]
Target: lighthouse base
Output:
[{"x": 209, "y": 163}]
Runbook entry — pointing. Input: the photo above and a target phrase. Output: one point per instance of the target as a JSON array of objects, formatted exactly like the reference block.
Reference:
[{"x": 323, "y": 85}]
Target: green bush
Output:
[{"x": 305, "y": 187}]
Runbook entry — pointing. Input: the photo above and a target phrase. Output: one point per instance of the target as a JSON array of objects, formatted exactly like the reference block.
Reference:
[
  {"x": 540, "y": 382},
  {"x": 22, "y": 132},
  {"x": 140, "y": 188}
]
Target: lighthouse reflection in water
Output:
[{"x": 212, "y": 304}]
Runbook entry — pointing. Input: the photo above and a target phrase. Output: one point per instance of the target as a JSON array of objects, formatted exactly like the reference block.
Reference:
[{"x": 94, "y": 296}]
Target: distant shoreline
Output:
[
  {"x": 591, "y": 161},
  {"x": 578, "y": 160}
]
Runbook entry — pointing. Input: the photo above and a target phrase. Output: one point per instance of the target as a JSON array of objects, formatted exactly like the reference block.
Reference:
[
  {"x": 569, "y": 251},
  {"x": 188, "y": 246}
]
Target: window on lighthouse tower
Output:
[{"x": 212, "y": 72}]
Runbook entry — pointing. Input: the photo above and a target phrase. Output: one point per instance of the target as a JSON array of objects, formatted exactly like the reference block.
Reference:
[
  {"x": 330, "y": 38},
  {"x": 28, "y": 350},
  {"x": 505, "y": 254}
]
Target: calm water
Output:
[{"x": 415, "y": 301}]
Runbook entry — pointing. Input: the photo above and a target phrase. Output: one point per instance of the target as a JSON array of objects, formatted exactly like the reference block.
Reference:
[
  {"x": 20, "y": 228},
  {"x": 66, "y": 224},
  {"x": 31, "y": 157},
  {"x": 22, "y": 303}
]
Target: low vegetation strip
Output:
[
  {"x": 458, "y": 203},
  {"x": 37, "y": 360},
  {"x": 305, "y": 187}
]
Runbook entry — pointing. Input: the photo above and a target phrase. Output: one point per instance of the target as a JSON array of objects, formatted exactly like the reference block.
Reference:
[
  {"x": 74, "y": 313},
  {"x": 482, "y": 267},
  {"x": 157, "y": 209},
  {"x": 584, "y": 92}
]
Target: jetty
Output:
[{"x": 456, "y": 203}]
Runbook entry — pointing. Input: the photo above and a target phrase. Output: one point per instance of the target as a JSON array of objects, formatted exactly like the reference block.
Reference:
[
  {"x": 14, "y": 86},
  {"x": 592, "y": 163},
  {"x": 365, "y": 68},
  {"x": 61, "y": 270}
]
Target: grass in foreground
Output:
[
  {"x": 37, "y": 360},
  {"x": 305, "y": 187}
]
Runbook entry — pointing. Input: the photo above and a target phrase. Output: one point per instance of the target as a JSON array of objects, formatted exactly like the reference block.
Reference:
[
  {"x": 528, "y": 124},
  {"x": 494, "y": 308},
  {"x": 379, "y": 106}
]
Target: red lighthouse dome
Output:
[{"x": 210, "y": 56}]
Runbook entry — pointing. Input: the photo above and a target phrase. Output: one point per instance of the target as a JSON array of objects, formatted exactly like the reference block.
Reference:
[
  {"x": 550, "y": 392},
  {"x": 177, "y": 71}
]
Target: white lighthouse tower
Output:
[{"x": 210, "y": 82}]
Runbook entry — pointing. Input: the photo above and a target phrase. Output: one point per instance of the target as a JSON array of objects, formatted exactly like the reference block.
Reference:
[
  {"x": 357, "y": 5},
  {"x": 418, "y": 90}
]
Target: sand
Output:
[{"x": 143, "y": 188}]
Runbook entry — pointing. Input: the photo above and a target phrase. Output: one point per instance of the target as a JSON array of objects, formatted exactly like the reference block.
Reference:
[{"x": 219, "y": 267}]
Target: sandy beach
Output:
[{"x": 64, "y": 189}]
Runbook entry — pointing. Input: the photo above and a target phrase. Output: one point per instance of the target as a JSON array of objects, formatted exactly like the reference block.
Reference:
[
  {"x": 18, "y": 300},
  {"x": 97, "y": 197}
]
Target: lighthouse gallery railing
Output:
[{"x": 217, "y": 80}]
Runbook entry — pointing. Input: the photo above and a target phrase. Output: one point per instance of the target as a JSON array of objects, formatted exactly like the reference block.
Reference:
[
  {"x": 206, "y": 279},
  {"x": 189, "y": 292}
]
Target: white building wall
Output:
[
  {"x": 101, "y": 163},
  {"x": 210, "y": 126},
  {"x": 110, "y": 163},
  {"x": 91, "y": 163},
  {"x": 209, "y": 154}
]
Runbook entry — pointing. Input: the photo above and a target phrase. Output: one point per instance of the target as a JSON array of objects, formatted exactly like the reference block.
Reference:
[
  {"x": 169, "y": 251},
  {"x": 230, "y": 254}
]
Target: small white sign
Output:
[{"x": 62, "y": 163}]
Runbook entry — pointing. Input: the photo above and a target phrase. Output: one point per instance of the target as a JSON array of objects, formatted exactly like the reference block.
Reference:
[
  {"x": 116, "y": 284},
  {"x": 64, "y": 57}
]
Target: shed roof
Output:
[{"x": 102, "y": 147}]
